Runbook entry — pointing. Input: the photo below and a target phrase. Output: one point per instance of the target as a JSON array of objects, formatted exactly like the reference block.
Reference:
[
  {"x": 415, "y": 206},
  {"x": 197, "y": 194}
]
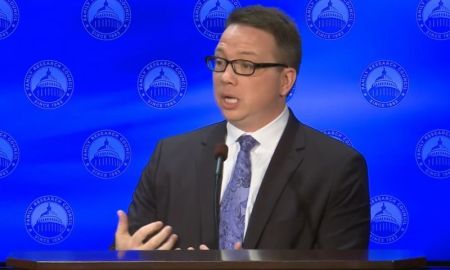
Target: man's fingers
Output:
[
  {"x": 170, "y": 243},
  {"x": 148, "y": 237},
  {"x": 122, "y": 225},
  {"x": 158, "y": 239},
  {"x": 147, "y": 231},
  {"x": 238, "y": 245},
  {"x": 203, "y": 247}
]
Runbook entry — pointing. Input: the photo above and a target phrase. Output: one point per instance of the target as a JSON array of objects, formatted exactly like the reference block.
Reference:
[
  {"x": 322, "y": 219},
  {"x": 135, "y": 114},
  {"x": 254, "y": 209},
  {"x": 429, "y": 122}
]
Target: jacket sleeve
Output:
[
  {"x": 346, "y": 220},
  {"x": 142, "y": 209}
]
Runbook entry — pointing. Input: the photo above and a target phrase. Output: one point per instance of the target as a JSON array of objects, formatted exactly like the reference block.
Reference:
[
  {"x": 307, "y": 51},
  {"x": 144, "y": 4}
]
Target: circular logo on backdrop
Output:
[
  {"x": 338, "y": 136},
  {"x": 106, "y": 19},
  {"x": 433, "y": 153},
  {"x": 384, "y": 83},
  {"x": 210, "y": 16},
  {"x": 389, "y": 219},
  {"x": 9, "y": 154},
  {"x": 48, "y": 84},
  {"x": 433, "y": 18},
  {"x": 106, "y": 154},
  {"x": 330, "y": 19},
  {"x": 49, "y": 220},
  {"x": 162, "y": 84},
  {"x": 9, "y": 17}
]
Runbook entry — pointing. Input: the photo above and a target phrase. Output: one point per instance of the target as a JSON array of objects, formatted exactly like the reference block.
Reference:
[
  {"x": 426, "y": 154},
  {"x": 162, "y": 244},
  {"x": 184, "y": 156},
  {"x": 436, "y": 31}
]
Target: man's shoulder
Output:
[{"x": 317, "y": 141}]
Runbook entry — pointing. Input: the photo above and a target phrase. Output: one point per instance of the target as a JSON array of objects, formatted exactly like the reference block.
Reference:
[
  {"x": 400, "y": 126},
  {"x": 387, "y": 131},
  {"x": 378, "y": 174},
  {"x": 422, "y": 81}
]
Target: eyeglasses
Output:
[{"x": 240, "y": 66}]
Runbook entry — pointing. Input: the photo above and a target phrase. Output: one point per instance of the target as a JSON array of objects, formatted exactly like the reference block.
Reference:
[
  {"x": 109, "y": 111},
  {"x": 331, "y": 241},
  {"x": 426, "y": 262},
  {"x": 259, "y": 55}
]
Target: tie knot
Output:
[{"x": 247, "y": 142}]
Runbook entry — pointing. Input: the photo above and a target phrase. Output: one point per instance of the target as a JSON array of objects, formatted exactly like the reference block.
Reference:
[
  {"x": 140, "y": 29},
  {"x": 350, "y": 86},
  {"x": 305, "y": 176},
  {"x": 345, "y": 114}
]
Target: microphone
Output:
[{"x": 220, "y": 154}]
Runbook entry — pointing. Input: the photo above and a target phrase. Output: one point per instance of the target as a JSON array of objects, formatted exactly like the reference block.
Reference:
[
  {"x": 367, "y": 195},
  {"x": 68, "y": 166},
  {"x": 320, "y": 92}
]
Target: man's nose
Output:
[{"x": 228, "y": 74}]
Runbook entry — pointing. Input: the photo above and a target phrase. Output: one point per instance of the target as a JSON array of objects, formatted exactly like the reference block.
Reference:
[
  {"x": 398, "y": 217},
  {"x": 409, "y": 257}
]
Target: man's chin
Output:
[
  {"x": 231, "y": 116},
  {"x": 238, "y": 121}
]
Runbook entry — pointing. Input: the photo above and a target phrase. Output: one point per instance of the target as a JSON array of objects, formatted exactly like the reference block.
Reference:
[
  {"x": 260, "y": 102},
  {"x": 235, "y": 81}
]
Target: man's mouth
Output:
[{"x": 231, "y": 100}]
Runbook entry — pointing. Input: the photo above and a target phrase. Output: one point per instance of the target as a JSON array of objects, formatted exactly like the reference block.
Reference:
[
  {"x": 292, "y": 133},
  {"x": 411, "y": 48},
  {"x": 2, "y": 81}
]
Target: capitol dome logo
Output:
[
  {"x": 433, "y": 18},
  {"x": 162, "y": 84},
  {"x": 210, "y": 16},
  {"x": 106, "y": 154},
  {"x": 49, "y": 220},
  {"x": 338, "y": 136},
  {"x": 433, "y": 153},
  {"x": 9, "y": 154},
  {"x": 330, "y": 19},
  {"x": 389, "y": 219},
  {"x": 106, "y": 19},
  {"x": 384, "y": 83},
  {"x": 9, "y": 18},
  {"x": 48, "y": 84}
]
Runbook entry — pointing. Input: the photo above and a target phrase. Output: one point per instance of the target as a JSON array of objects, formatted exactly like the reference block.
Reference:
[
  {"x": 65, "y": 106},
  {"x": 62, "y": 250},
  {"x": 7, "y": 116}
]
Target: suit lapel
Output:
[
  {"x": 285, "y": 160},
  {"x": 206, "y": 165}
]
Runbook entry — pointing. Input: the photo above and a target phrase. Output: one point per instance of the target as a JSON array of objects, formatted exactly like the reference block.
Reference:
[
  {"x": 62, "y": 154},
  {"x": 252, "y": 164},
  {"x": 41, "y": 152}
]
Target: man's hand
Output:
[
  {"x": 237, "y": 245},
  {"x": 149, "y": 237}
]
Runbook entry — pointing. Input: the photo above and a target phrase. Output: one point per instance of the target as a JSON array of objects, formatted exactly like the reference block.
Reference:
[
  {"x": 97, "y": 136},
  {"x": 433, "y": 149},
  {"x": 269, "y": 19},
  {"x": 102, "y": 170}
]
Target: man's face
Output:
[{"x": 251, "y": 102}]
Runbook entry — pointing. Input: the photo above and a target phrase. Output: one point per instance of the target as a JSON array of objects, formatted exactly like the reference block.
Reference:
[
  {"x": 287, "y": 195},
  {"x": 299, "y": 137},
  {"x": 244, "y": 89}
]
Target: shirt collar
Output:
[{"x": 264, "y": 135}]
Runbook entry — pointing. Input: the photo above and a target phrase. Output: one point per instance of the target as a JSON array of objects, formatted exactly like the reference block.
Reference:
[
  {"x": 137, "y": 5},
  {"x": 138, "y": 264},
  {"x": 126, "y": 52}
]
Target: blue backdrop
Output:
[{"x": 87, "y": 88}]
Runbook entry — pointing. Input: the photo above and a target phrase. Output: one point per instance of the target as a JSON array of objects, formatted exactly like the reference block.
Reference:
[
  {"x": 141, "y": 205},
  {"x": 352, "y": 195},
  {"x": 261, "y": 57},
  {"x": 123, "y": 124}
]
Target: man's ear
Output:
[{"x": 288, "y": 78}]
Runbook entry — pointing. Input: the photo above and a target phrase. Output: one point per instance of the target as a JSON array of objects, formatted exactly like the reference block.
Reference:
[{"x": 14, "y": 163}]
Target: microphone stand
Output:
[{"x": 221, "y": 153}]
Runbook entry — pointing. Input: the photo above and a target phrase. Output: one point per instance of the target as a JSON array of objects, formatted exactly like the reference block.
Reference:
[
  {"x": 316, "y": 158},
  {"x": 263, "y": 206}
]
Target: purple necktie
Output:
[{"x": 234, "y": 201}]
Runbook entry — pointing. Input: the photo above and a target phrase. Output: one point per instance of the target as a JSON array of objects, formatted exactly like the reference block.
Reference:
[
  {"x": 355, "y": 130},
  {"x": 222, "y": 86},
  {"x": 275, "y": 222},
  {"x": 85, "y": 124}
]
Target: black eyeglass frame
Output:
[{"x": 232, "y": 62}]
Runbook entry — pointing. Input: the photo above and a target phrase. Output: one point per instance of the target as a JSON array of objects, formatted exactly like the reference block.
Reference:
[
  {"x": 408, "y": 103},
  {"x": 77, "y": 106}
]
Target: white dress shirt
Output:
[{"x": 260, "y": 156}]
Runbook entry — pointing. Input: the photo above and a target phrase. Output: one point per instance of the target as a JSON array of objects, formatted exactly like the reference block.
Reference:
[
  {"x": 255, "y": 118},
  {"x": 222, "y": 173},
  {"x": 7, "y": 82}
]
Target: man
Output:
[{"x": 298, "y": 189}]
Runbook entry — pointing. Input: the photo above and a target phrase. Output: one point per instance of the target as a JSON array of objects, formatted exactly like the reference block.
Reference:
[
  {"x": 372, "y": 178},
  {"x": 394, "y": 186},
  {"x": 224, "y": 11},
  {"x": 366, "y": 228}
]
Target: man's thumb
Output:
[{"x": 122, "y": 225}]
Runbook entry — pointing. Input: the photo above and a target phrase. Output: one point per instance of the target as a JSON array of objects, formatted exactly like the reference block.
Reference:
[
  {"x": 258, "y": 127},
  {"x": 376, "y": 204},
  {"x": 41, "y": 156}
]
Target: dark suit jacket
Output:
[{"x": 314, "y": 194}]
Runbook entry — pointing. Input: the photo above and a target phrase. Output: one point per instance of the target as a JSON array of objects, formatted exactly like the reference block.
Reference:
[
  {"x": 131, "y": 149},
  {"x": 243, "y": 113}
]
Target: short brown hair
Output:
[{"x": 278, "y": 24}]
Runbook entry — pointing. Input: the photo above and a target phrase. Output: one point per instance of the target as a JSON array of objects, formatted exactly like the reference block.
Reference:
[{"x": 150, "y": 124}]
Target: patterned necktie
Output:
[{"x": 234, "y": 201}]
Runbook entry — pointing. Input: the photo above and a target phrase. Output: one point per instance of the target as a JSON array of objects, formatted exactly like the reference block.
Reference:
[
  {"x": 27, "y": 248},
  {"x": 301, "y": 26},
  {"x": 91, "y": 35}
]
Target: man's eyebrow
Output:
[
  {"x": 220, "y": 50},
  {"x": 247, "y": 53}
]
